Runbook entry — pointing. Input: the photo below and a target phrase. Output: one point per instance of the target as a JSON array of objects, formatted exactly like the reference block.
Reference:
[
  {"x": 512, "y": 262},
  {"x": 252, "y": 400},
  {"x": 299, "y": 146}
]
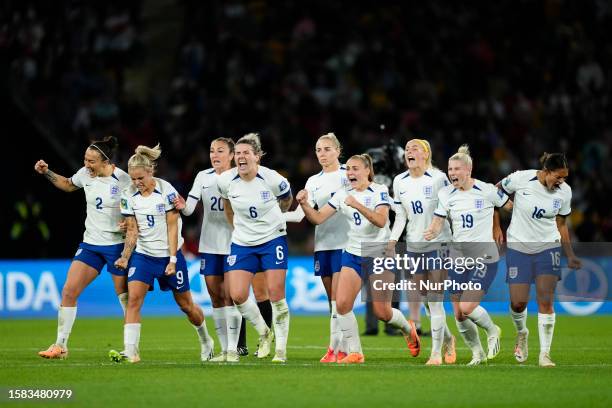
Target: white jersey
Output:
[
  {"x": 332, "y": 234},
  {"x": 471, "y": 215},
  {"x": 102, "y": 195},
  {"x": 362, "y": 231},
  {"x": 535, "y": 211},
  {"x": 216, "y": 235},
  {"x": 418, "y": 198},
  {"x": 257, "y": 216},
  {"x": 150, "y": 213}
]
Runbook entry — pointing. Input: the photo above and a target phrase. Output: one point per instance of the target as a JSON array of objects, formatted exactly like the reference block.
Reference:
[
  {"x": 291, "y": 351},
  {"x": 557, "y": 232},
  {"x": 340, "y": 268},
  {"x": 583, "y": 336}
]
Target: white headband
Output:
[{"x": 100, "y": 150}]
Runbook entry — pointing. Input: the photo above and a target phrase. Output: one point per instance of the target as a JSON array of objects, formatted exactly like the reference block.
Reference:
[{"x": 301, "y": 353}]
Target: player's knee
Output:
[
  {"x": 383, "y": 313},
  {"x": 467, "y": 308},
  {"x": 545, "y": 307},
  {"x": 69, "y": 295},
  {"x": 518, "y": 307},
  {"x": 343, "y": 307},
  {"x": 239, "y": 298},
  {"x": 217, "y": 299}
]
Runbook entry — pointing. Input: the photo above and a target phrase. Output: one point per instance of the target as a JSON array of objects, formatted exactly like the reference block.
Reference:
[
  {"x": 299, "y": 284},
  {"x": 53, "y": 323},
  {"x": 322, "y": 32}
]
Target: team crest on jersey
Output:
[
  {"x": 345, "y": 182},
  {"x": 367, "y": 201},
  {"x": 78, "y": 252},
  {"x": 160, "y": 208},
  {"x": 384, "y": 196},
  {"x": 114, "y": 190},
  {"x": 428, "y": 191},
  {"x": 479, "y": 204},
  {"x": 202, "y": 264},
  {"x": 513, "y": 272},
  {"x": 131, "y": 271},
  {"x": 556, "y": 204},
  {"x": 124, "y": 204},
  {"x": 231, "y": 260},
  {"x": 507, "y": 181},
  {"x": 500, "y": 193},
  {"x": 265, "y": 195},
  {"x": 282, "y": 185},
  {"x": 317, "y": 266},
  {"x": 171, "y": 198}
]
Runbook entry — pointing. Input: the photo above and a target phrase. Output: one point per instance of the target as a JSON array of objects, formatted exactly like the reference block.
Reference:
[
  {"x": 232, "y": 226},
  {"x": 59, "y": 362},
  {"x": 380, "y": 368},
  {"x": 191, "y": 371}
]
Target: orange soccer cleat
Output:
[
  {"x": 353, "y": 358},
  {"x": 329, "y": 357},
  {"x": 412, "y": 340},
  {"x": 54, "y": 351},
  {"x": 450, "y": 354}
]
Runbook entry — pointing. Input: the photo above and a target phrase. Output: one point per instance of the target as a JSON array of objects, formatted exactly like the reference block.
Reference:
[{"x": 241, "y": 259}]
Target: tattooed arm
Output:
[
  {"x": 61, "y": 182},
  {"x": 130, "y": 243}
]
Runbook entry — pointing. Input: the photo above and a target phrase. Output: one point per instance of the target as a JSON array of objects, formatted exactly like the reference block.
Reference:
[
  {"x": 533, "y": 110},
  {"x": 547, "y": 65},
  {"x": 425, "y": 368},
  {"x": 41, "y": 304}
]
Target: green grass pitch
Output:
[{"x": 171, "y": 374}]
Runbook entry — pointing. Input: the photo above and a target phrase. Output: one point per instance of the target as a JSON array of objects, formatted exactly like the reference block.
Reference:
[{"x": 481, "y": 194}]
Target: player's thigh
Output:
[
  {"x": 79, "y": 276},
  {"x": 120, "y": 283},
  {"x": 184, "y": 300},
  {"x": 275, "y": 279},
  {"x": 382, "y": 286},
  {"x": 239, "y": 284},
  {"x": 334, "y": 285},
  {"x": 349, "y": 285},
  {"x": 545, "y": 288},
  {"x": 216, "y": 289}
]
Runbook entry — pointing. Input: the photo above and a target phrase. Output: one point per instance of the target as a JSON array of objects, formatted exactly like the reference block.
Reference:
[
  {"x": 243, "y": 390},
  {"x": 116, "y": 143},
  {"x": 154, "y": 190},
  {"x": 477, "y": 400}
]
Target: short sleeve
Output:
[
  {"x": 397, "y": 201},
  {"x": 497, "y": 196},
  {"x": 311, "y": 196},
  {"x": 170, "y": 195},
  {"x": 196, "y": 189},
  {"x": 510, "y": 183},
  {"x": 382, "y": 197},
  {"x": 442, "y": 208},
  {"x": 278, "y": 184},
  {"x": 125, "y": 204},
  {"x": 77, "y": 178},
  {"x": 222, "y": 184},
  {"x": 337, "y": 199}
]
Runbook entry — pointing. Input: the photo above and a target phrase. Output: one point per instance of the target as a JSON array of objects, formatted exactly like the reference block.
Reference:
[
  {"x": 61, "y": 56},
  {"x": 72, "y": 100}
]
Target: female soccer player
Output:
[
  {"x": 469, "y": 203},
  {"x": 102, "y": 240},
  {"x": 537, "y": 231},
  {"x": 154, "y": 230},
  {"x": 330, "y": 237},
  {"x": 366, "y": 205},
  {"x": 254, "y": 199},
  {"x": 215, "y": 240},
  {"x": 416, "y": 198}
]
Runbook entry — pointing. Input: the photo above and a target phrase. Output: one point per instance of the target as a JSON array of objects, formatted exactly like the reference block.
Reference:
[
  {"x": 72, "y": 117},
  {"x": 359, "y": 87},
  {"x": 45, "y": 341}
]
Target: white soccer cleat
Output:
[
  {"x": 521, "y": 349},
  {"x": 477, "y": 359},
  {"x": 493, "y": 344},
  {"x": 232, "y": 357},
  {"x": 434, "y": 360},
  {"x": 545, "y": 360},
  {"x": 280, "y": 356},
  {"x": 265, "y": 342},
  {"x": 220, "y": 358},
  {"x": 208, "y": 348},
  {"x": 121, "y": 356}
]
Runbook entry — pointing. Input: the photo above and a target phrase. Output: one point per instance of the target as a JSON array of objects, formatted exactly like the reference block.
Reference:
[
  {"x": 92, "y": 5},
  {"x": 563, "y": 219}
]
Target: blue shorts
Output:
[
  {"x": 326, "y": 263},
  {"x": 525, "y": 268},
  {"x": 483, "y": 276},
  {"x": 363, "y": 265},
  {"x": 145, "y": 268},
  {"x": 269, "y": 255},
  {"x": 212, "y": 264},
  {"x": 97, "y": 256}
]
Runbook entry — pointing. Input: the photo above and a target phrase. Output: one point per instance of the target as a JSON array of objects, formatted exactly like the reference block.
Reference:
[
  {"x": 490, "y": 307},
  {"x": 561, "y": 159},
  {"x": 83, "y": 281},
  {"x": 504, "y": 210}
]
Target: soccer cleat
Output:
[
  {"x": 450, "y": 353},
  {"x": 352, "y": 358},
  {"x": 434, "y": 360},
  {"x": 232, "y": 357},
  {"x": 340, "y": 356},
  {"x": 521, "y": 349},
  {"x": 208, "y": 350},
  {"x": 243, "y": 351},
  {"x": 265, "y": 341},
  {"x": 477, "y": 359},
  {"x": 121, "y": 356},
  {"x": 412, "y": 340},
  {"x": 280, "y": 356},
  {"x": 329, "y": 357},
  {"x": 545, "y": 360},
  {"x": 54, "y": 351},
  {"x": 493, "y": 344},
  {"x": 219, "y": 358}
]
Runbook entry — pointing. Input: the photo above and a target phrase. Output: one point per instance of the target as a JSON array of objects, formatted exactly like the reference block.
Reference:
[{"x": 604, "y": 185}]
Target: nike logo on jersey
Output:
[
  {"x": 236, "y": 196},
  {"x": 205, "y": 187},
  {"x": 525, "y": 193},
  {"x": 402, "y": 192},
  {"x": 451, "y": 205}
]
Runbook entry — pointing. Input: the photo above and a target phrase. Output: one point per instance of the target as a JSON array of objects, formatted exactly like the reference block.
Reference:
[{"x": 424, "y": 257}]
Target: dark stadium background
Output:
[{"x": 512, "y": 78}]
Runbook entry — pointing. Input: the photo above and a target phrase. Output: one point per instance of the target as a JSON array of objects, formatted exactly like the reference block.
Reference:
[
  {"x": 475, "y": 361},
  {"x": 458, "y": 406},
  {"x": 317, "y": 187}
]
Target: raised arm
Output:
[
  {"x": 378, "y": 216},
  {"x": 186, "y": 207},
  {"x": 61, "y": 182},
  {"x": 312, "y": 215}
]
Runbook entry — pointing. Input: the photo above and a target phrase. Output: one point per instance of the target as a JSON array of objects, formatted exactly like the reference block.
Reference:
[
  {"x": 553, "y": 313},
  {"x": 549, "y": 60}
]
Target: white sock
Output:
[
  {"x": 280, "y": 320},
  {"x": 546, "y": 329},
  {"x": 438, "y": 323},
  {"x": 65, "y": 320},
  {"x": 123, "y": 301},
  {"x": 202, "y": 332},
  {"x": 250, "y": 311},
  {"x": 218, "y": 315},
  {"x": 350, "y": 332},
  {"x": 335, "y": 335},
  {"x": 234, "y": 323},
  {"x": 131, "y": 338},
  {"x": 482, "y": 319},
  {"x": 469, "y": 332},
  {"x": 520, "y": 320},
  {"x": 399, "y": 321}
]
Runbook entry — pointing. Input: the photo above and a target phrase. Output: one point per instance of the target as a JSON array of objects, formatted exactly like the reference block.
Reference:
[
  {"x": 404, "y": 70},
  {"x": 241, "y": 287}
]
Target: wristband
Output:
[{"x": 173, "y": 259}]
